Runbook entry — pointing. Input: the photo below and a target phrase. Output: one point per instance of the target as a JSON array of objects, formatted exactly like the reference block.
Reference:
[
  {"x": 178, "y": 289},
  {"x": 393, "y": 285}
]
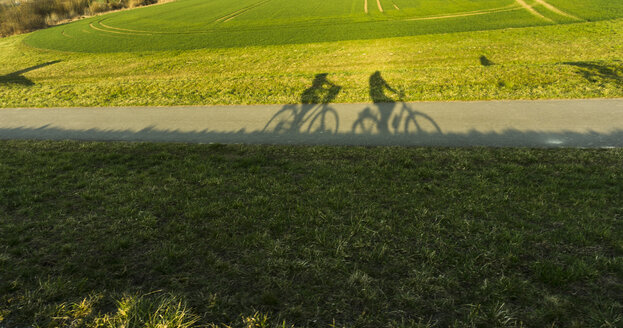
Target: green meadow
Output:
[
  {"x": 173, "y": 235},
  {"x": 191, "y": 52},
  {"x": 196, "y": 24},
  {"x": 163, "y": 235},
  {"x": 580, "y": 60}
]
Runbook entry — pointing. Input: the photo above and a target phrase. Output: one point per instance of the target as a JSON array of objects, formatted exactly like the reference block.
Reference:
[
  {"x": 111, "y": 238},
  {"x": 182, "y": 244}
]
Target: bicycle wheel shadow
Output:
[
  {"x": 390, "y": 117},
  {"x": 313, "y": 115}
]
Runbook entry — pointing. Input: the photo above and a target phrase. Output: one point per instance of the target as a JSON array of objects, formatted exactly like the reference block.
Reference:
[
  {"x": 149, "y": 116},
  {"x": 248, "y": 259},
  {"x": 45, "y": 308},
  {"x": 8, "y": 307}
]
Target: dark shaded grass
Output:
[{"x": 314, "y": 236}]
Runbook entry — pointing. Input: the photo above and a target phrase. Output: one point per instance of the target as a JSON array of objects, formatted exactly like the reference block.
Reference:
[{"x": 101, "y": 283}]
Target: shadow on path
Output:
[
  {"x": 387, "y": 117},
  {"x": 507, "y": 138},
  {"x": 17, "y": 78},
  {"x": 316, "y": 121},
  {"x": 314, "y": 115}
]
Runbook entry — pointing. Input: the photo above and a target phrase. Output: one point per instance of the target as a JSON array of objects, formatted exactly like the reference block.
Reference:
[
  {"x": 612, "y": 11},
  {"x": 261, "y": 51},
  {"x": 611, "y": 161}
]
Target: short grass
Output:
[
  {"x": 561, "y": 61},
  {"x": 99, "y": 233}
]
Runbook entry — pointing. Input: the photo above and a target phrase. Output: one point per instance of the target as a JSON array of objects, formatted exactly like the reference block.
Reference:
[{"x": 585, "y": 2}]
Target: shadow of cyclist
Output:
[
  {"x": 314, "y": 115},
  {"x": 322, "y": 91},
  {"x": 385, "y": 104}
]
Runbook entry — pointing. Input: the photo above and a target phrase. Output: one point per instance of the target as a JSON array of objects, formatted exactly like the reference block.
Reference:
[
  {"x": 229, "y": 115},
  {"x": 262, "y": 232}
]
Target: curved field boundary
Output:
[
  {"x": 469, "y": 13},
  {"x": 532, "y": 11},
  {"x": 239, "y": 12},
  {"x": 557, "y": 11}
]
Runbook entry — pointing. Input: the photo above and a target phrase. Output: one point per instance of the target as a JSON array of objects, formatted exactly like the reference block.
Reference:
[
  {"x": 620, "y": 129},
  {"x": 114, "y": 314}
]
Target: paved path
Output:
[{"x": 551, "y": 123}]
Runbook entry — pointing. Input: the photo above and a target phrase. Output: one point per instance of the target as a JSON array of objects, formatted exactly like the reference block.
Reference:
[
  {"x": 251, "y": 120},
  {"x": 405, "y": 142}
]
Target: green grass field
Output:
[
  {"x": 163, "y": 235},
  {"x": 101, "y": 234},
  {"x": 480, "y": 58},
  {"x": 196, "y": 24},
  {"x": 580, "y": 60}
]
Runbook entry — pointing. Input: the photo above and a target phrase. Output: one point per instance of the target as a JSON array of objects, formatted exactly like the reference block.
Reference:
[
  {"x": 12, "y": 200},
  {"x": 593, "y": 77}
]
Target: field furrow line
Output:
[
  {"x": 237, "y": 13},
  {"x": 378, "y": 3},
  {"x": 532, "y": 11},
  {"x": 556, "y": 10},
  {"x": 116, "y": 32},
  {"x": 124, "y": 29},
  {"x": 469, "y": 13}
]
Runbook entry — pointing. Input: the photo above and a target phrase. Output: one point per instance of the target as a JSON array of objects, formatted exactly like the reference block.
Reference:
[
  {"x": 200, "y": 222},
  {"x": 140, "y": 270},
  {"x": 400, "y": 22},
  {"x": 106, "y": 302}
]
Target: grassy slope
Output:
[
  {"x": 364, "y": 236},
  {"x": 564, "y": 61}
]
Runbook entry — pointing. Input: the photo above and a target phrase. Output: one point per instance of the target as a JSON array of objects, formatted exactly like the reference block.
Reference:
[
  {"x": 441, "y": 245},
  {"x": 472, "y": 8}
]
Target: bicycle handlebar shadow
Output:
[{"x": 17, "y": 77}]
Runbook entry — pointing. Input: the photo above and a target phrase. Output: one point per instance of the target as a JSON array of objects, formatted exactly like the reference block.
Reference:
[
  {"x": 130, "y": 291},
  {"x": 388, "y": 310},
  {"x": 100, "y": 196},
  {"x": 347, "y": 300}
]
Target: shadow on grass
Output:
[
  {"x": 484, "y": 61},
  {"x": 599, "y": 71},
  {"x": 17, "y": 78}
]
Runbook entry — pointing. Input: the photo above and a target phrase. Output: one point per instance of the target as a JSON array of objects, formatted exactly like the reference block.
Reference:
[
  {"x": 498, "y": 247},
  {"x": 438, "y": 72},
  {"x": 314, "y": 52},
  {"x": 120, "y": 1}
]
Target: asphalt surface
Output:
[{"x": 594, "y": 123}]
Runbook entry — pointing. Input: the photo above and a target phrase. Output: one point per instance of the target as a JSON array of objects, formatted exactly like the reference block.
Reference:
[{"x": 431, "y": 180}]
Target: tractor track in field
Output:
[
  {"x": 557, "y": 11},
  {"x": 365, "y": 6},
  {"x": 378, "y": 3},
  {"x": 533, "y": 11},
  {"x": 237, "y": 13},
  {"x": 469, "y": 13},
  {"x": 125, "y": 29},
  {"x": 116, "y": 32}
]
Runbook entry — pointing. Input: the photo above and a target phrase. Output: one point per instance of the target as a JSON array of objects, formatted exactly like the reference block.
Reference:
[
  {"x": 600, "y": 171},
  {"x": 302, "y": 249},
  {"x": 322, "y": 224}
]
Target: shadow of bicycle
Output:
[
  {"x": 316, "y": 115},
  {"x": 313, "y": 115},
  {"x": 309, "y": 119},
  {"x": 390, "y": 117},
  {"x": 394, "y": 119}
]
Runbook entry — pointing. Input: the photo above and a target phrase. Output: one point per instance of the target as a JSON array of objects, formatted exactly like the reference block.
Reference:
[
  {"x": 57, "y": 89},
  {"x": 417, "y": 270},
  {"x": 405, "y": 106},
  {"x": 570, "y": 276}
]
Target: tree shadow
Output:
[
  {"x": 600, "y": 71},
  {"x": 484, "y": 61},
  {"x": 17, "y": 77}
]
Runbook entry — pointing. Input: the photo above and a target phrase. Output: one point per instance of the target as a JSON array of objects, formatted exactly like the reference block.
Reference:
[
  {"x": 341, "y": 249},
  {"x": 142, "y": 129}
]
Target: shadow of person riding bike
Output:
[
  {"x": 313, "y": 115},
  {"x": 387, "y": 117}
]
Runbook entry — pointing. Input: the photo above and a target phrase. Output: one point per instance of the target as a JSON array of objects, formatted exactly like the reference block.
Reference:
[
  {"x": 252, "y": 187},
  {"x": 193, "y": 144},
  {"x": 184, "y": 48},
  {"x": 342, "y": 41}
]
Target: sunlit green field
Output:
[{"x": 195, "y": 24}]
